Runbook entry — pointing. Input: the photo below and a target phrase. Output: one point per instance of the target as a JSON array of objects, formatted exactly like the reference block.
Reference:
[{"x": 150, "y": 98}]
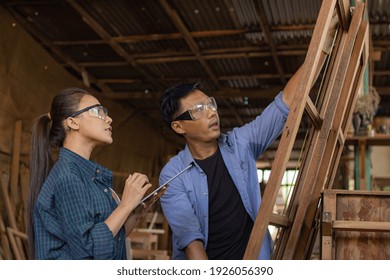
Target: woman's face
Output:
[{"x": 94, "y": 124}]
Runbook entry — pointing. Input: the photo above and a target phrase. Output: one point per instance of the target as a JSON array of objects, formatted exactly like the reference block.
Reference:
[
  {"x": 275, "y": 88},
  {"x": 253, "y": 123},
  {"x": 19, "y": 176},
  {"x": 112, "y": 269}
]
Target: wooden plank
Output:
[
  {"x": 9, "y": 207},
  {"x": 362, "y": 147},
  {"x": 14, "y": 180},
  {"x": 378, "y": 140},
  {"x": 153, "y": 230},
  {"x": 363, "y": 61},
  {"x": 344, "y": 13},
  {"x": 313, "y": 114},
  {"x": 341, "y": 137},
  {"x": 354, "y": 77},
  {"x": 14, "y": 246},
  {"x": 5, "y": 245},
  {"x": 14, "y": 238},
  {"x": 279, "y": 220},
  {"x": 349, "y": 193},
  {"x": 361, "y": 226},
  {"x": 7, "y": 202},
  {"x": 18, "y": 233},
  {"x": 25, "y": 188}
]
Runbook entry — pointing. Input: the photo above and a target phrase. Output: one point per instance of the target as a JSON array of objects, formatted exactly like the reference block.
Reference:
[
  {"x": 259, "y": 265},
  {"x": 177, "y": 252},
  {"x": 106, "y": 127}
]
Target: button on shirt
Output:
[
  {"x": 70, "y": 211},
  {"x": 185, "y": 202}
]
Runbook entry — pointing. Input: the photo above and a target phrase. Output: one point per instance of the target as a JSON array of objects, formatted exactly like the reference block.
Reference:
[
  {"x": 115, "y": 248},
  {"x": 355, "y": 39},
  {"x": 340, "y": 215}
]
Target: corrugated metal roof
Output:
[{"x": 147, "y": 45}]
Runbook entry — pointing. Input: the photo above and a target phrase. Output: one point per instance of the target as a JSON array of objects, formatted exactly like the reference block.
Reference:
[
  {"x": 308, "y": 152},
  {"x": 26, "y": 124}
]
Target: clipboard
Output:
[{"x": 163, "y": 185}]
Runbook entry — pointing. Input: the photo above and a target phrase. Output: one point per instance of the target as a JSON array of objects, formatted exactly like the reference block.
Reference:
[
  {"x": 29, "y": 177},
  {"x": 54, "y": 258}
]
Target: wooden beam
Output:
[
  {"x": 220, "y": 94},
  {"x": 177, "y": 80},
  {"x": 172, "y": 36},
  {"x": 177, "y": 21},
  {"x": 155, "y": 58},
  {"x": 108, "y": 39},
  {"x": 383, "y": 90},
  {"x": 382, "y": 73},
  {"x": 262, "y": 18}
]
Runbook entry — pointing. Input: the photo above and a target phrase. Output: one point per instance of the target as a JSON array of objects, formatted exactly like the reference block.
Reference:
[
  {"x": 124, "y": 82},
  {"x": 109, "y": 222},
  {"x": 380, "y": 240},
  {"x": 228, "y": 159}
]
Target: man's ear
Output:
[
  {"x": 178, "y": 127},
  {"x": 72, "y": 123}
]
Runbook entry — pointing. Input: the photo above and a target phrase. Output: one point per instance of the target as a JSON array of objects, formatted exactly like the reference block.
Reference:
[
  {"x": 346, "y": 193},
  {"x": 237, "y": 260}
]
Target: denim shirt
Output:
[
  {"x": 185, "y": 202},
  {"x": 70, "y": 211}
]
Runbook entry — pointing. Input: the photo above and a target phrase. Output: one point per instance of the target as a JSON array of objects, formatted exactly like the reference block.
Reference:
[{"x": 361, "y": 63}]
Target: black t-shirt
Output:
[{"x": 229, "y": 224}]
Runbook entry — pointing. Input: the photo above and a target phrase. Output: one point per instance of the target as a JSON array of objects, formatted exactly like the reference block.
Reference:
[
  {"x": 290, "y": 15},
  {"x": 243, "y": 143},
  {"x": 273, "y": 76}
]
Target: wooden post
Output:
[
  {"x": 14, "y": 181},
  {"x": 328, "y": 216}
]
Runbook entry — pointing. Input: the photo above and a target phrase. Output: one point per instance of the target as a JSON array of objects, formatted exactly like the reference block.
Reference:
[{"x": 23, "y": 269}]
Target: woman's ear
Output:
[
  {"x": 72, "y": 123},
  {"x": 178, "y": 127}
]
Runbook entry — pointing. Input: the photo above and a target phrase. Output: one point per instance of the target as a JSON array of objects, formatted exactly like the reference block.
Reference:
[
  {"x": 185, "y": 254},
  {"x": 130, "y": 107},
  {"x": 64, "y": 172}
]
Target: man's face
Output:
[{"x": 205, "y": 128}]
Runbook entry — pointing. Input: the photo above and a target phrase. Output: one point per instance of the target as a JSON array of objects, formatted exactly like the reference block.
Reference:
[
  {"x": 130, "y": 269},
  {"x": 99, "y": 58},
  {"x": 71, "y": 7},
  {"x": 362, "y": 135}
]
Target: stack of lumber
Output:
[{"x": 14, "y": 189}]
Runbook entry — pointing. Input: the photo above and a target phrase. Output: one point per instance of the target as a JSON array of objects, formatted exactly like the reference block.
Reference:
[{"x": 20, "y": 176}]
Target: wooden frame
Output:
[
  {"x": 330, "y": 117},
  {"x": 355, "y": 225}
]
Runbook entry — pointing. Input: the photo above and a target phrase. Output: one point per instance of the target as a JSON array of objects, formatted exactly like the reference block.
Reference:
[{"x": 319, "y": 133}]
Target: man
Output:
[{"x": 211, "y": 207}]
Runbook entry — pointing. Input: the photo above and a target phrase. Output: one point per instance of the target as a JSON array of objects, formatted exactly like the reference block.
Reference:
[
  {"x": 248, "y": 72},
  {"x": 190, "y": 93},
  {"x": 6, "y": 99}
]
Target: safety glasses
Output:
[
  {"x": 198, "y": 110},
  {"x": 96, "y": 111}
]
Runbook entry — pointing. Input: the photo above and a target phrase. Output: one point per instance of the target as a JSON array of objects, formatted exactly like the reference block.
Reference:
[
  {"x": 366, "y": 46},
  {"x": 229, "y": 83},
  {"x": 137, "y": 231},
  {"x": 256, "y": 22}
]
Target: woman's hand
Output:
[{"x": 135, "y": 188}]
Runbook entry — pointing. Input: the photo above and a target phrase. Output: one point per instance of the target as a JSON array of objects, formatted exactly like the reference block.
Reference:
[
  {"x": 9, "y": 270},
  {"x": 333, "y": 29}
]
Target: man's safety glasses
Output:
[
  {"x": 198, "y": 110},
  {"x": 96, "y": 111}
]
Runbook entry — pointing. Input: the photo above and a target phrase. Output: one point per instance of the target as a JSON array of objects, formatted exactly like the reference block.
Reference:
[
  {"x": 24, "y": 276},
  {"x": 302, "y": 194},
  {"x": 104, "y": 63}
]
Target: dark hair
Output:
[
  {"x": 48, "y": 131},
  {"x": 169, "y": 105}
]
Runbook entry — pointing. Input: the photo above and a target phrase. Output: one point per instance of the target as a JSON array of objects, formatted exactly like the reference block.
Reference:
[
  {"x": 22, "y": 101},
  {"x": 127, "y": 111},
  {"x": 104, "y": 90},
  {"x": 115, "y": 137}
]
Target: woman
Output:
[{"x": 73, "y": 211}]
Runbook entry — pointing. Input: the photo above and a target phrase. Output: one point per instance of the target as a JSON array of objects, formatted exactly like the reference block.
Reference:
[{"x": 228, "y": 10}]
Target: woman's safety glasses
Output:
[
  {"x": 198, "y": 110},
  {"x": 96, "y": 111}
]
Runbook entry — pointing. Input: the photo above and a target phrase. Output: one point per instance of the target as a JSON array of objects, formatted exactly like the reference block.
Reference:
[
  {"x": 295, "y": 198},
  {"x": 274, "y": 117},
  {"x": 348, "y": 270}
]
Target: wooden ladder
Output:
[{"x": 329, "y": 117}]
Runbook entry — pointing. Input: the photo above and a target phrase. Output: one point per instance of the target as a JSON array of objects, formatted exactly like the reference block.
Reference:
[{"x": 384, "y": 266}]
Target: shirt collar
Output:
[
  {"x": 88, "y": 167},
  {"x": 223, "y": 140}
]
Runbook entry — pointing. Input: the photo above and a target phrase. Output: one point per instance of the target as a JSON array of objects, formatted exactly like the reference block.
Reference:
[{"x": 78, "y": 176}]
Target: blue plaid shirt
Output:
[
  {"x": 70, "y": 211},
  {"x": 185, "y": 202}
]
